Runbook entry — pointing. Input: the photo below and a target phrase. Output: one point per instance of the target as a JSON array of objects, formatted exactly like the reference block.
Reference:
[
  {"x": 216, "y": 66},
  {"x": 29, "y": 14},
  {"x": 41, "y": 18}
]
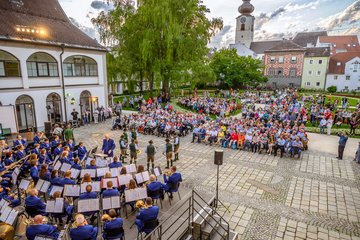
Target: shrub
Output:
[{"x": 332, "y": 89}]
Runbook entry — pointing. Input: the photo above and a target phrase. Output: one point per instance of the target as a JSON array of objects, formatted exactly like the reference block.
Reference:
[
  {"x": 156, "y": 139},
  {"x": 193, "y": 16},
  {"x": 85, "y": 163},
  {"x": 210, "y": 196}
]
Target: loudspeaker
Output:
[
  {"x": 47, "y": 126},
  {"x": 218, "y": 157}
]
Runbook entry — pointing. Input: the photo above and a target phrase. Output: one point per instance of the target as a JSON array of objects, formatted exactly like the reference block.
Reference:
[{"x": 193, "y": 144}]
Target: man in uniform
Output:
[
  {"x": 83, "y": 230},
  {"x": 133, "y": 134},
  {"x": 147, "y": 214},
  {"x": 168, "y": 151},
  {"x": 108, "y": 146},
  {"x": 176, "y": 146},
  {"x": 150, "y": 150},
  {"x": 122, "y": 144},
  {"x": 39, "y": 228},
  {"x": 133, "y": 151}
]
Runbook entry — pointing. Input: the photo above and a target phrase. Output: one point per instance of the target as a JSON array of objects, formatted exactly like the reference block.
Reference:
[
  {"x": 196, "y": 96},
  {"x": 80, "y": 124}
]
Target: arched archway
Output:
[
  {"x": 41, "y": 64},
  {"x": 25, "y": 111},
  {"x": 9, "y": 65},
  {"x": 53, "y": 106}
]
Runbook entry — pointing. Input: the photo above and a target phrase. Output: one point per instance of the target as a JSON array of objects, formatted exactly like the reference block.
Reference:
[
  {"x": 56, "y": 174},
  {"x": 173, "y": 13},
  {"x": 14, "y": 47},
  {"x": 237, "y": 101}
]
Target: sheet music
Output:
[
  {"x": 95, "y": 186},
  {"x": 24, "y": 184},
  {"x": 157, "y": 171},
  {"x": 57, "y": 165},
  {"x": 16, "y": 171},
  {"x": 131, "y": 168},
  {"x": 106, "y": 203},
  {"x": 59, "y": 205},
  {"x": 45, "y": 187},
  {"x": 92, "y": 172},
  {"x": 146, "y": 176},
  {"x": 105, "y": 180},
  {"x": 12, "y": 217},
  {"x": 50, "y": 205},
  {"x": 5, "y": 213},
  {"x": 139, "y": 178},
  {"x": 115, "y": 172},
  {"x": 71, "y": 190},
  {"x": 56, "y": 189},
  {"x": 3, "y": 205},
  {"x": 38, "y": 184},
  {"x": 101, "y": 162},
  {"x": 115, "y": 202},
  {"x": 88, "y": 205},
  {"x": 74, "y": 173},
  {"x": 65, "y": 167},
  {"x": 100, "y": 172},
  {"x": 56, "y": 158},
  {"x": 14, "y": 177},
  {"x": 124, "y": 179},
  {"x": 135, "y": 194}
]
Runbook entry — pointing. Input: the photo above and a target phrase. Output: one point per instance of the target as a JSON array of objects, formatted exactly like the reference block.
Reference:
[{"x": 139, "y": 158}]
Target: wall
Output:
[{"x": 314, "y": 68}]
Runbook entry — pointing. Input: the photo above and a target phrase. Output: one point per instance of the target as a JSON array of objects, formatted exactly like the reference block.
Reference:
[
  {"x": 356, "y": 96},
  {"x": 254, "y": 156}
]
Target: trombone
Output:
[{"x": 14, "y": 165}]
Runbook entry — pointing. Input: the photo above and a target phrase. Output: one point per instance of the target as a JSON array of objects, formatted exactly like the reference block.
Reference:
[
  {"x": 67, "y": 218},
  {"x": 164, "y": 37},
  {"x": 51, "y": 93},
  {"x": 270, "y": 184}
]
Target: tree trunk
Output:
[
  {"x": 141, "y": 81},
  {"x": 151, "y": 84}
]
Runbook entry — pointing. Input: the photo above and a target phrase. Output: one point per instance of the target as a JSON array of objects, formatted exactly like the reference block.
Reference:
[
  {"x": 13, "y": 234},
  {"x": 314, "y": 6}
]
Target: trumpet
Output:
[{"x": 168, "y": 173}]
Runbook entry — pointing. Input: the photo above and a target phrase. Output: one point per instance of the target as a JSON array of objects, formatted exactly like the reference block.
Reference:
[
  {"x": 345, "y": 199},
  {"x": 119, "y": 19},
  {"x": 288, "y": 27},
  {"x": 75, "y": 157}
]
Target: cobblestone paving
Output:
[{"x": 316, "y": 197}]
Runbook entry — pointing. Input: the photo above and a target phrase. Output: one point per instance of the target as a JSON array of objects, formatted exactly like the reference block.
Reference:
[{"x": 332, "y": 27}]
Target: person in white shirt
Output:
[
  {"x": 329, "y": 124},
  {"x": 322, "y": 125}
]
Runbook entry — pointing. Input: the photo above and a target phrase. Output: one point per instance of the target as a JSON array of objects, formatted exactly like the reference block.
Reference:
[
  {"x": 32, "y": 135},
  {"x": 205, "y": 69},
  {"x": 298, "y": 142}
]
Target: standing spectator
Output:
[
  {"x": 329, "y": 124},
  {"x": 96, "y": 116},
  {"x": 74, "y": 114},
  {"x": 322, "y": 125},
  {"x": 342, "y": 143},
  {"x": 353, "y": 124},
  {"x": 68, "y": 133}
]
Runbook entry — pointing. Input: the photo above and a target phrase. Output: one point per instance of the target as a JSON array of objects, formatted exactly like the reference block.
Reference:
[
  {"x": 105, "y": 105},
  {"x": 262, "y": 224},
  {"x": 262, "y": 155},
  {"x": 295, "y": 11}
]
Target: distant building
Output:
[
  {"x": 245, "y": 24},
  {"x": 316, "y": 62},
  {"x": 259, "y": 48},
  {"x": 284, "y": 64},
  {"x": 344, "y": 72},
  {"x": 308, "y": 39},
  {"x": 339, "y": 44},
  {"x": 47, "y": 66},
  {"x": 243, "y": 51}
]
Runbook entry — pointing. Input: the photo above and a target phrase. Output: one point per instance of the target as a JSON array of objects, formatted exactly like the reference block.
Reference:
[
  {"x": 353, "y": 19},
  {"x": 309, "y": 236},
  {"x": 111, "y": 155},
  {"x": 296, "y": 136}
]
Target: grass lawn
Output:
[{"x": 353, "y": 102}]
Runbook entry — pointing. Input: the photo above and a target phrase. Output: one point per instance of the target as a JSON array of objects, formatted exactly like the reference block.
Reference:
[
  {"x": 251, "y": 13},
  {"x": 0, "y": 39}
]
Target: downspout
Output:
[{"x": 62, "y": 80}]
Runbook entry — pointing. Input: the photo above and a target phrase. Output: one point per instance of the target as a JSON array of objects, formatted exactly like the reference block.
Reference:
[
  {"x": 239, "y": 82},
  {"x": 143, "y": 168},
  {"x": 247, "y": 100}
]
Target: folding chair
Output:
[
  {"x": 173, "y": 189},
  {"x": 156, "y": 195}
]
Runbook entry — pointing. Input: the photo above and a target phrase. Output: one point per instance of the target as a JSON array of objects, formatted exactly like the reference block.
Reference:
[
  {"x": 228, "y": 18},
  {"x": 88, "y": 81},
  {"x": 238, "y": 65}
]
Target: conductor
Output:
[{"x": 108, "y": 146}]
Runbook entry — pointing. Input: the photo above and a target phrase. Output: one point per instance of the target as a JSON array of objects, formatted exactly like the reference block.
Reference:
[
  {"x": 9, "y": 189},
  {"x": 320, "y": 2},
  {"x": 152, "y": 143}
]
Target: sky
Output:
[{"x": 274, "y": 19}]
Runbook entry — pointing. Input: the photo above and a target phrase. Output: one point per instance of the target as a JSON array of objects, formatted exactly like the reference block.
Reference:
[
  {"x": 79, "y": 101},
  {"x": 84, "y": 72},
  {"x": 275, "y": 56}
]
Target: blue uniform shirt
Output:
[
  {"x": 115, "y": 165},
  {"x": 33, "y": 201},
  {"x": 86, "y": 195},
  {"x": 107, "y": 146},
  {"x": 41, "y": 229},
  {"x": 86, "y": 232},
  {"x": 110, "y": 193},
  {"x": 113, "y": 225}
]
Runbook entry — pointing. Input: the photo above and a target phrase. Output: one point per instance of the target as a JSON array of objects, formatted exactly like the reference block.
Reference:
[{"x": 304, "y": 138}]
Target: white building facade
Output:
[
  {"x": 349, "y": 80},
  {"x": 45, "y": 79}
]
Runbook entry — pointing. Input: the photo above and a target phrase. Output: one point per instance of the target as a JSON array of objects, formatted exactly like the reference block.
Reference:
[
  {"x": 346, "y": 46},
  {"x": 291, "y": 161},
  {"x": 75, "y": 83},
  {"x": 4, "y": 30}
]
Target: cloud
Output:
[
  {"x": 87, "y": 30},
  {"x": 99, "y": 5},
  {"x": 277, "y": 12},
  {"x": 224, "y": 37},
  {"x": 351, "y": 15},
  {"x": 292, "y": 7}
]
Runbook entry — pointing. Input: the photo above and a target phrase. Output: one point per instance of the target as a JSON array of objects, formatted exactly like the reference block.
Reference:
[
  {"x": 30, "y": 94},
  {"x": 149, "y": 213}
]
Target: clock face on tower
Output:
[{"x": 243, "y": 20}]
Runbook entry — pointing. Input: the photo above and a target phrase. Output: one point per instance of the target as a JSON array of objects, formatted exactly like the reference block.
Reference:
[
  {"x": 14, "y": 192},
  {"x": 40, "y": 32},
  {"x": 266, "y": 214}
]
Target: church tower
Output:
[{"x": 245, "y": 24}]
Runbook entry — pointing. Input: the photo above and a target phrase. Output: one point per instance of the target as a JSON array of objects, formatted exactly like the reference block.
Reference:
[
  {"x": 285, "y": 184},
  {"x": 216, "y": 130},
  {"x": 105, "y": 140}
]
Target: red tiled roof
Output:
[
  {"x": 286, "y": 46},
  {"x": 46, "y": 15},
  {"x": 341, "y": 58},
  {"x": 350, "y": 42}
]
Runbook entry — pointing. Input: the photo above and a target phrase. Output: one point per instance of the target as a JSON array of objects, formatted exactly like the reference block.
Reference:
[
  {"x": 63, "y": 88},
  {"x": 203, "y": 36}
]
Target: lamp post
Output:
[{"x": 218, "y": 160}]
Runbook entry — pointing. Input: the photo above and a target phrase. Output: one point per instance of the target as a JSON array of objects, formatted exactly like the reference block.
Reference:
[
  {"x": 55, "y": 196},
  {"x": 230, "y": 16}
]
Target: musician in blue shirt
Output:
[
  {"x": 33, "y": 201},
  {"x": 38, "y": 137},
  {"x": 67, "y": 179},
  {"x": 58, "y": 150},
  {"x": 83, "y": 231},
  {"x": 38, "y": 228},
  {"x": 81, "y": 151},
  {"x": 9, "y": 159},
  {"x": 115, "y": 163},
  {"x": 89, "y": 194},
  {"x": 70, "y": 144},
  {"x": 19, "y": 141},
  {"x": 34, "y": 171},
  {"x": 110, "y": 191},
  {"x": 108, "y": 146},
  {"x": 55, "y": 179},
  {"x": 76, "y": 164},
  {"x": 36, "y": 150},
  {"x": 20, "y": 152},
  {"x": 46, "y": 144},
  {"x": 44, "y": 158},
  {"x": 55, "y": 142},
  {"x": 155, "y": 186},
  {"x": 173, "y": 179},
  {"x": 92, "y": 164},
  {"x": 113, "y": 226},
  {"x": 147, "y": 214}
]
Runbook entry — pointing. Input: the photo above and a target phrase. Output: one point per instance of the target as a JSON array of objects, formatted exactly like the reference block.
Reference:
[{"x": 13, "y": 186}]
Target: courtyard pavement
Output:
[{"x": 315, "y": 197}]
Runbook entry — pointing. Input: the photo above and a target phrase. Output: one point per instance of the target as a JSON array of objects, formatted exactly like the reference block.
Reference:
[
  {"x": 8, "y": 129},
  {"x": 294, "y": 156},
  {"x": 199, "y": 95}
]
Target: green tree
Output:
[
  {"x": 236, "y": 71},
  {"x": 332, "y": 89},
  {"x": 162, "y": 40}
]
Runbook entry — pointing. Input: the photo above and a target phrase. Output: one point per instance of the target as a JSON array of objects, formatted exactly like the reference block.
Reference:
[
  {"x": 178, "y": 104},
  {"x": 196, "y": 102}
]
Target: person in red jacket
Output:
[{"x": 234, "y": 139}]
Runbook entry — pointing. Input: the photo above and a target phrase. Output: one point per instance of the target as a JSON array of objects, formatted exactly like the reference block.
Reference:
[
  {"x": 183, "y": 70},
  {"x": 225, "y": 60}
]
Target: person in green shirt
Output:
[
  {"x": 150, "y": 151},
  {"x": 168, "y": 152},
  {"x": 133, "y": 151},
  {"x": 68, "y": 133}
]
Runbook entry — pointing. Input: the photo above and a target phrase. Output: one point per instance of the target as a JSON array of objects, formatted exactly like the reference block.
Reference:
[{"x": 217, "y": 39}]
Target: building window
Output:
[
  {"x": 80, "y": 66},
  {"x": 9, "y": 65},
  {"x": 317, "y": 84},
  {"x": 279, "y": 72},
  {"x": 281, "y": 59},
  {"x": 271, "y": 72},
  {"x": 335, "y": 77},
  {"x": 346, "y": 87},
  {"x": 293, "y": 60},
  {"x": 309, "y": 73},
  {"x": 311, "y": 61},
  {"x": 320, "y": 61},
  {"x": 318, "y": 73},
  {"x": 242, "y": 27},
  {"x": 42, "y": 65},
  {"x": 308, "y": 83},
  {"x": 272, "y": 59},
  {"x": 347, "y": 77},
  {"x": 292, "y": 72},
  {"x": 338, "y": 64}
]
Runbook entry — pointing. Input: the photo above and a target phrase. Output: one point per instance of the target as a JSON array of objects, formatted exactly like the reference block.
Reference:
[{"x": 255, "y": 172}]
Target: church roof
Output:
[
  {"x": 286, "y": 46},
  {"x": 41, "y": 22},
  {"x": 262, "y": 46},
  {"x": 338, "y": 61},
  {"x": 308, "y": 38},
  {"x": 317, "y": 52}
]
